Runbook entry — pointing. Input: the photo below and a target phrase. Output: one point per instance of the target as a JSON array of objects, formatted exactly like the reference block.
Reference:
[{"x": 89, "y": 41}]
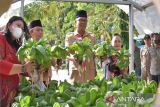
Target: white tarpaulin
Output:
[{"x": 147, "y": 21}]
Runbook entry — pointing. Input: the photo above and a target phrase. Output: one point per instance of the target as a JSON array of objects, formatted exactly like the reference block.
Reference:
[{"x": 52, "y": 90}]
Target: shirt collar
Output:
[{"x": 78, "y": 35}]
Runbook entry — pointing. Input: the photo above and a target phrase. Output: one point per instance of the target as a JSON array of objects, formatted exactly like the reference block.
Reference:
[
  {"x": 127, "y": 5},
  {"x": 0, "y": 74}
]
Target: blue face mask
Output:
[{"x": 140, "y": 43}]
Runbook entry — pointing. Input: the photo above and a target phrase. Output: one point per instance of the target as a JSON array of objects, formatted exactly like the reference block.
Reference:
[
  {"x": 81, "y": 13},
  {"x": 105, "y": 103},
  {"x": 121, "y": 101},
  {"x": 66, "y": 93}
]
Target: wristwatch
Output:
[{"x": 23, "y": 69}]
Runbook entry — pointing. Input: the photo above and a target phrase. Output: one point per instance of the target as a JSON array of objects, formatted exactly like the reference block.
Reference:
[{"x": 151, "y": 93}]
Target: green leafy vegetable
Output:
[
  {"x": 82, "y": 49},
  {"x": 36, "y": 51}
]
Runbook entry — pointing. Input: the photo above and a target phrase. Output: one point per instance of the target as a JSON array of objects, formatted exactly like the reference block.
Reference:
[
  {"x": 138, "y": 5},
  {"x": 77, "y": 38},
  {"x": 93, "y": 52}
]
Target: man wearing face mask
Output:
[
  {"x": 36, "y": 32},
  {"x": 154, "y": 59},
  {"x": 79, "y": 34},
  {"x": 10, "y": 67}
]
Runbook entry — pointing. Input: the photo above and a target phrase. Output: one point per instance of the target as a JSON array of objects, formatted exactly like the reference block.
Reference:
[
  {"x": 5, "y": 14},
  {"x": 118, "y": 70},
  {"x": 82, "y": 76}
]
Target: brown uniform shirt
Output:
[{"x": 75, "y": 70}]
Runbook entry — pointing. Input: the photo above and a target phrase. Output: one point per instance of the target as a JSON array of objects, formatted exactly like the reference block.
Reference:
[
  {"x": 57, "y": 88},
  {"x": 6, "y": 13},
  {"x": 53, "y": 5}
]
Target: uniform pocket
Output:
[
  {"x": 153, "y": 53},
  {"x": 143, "y": 53}
]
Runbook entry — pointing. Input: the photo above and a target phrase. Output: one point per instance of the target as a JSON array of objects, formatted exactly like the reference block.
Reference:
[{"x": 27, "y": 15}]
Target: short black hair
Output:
[
  {"x": 147, "y": 36},
  {"x": 154, "y": 34},
  {"x": 81, "y": 13},
  {"x": 116, "y": 34}
]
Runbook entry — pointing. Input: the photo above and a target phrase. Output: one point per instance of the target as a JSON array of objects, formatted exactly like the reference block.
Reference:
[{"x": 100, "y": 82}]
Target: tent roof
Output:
[
  {"x": 145, "y": 14},
  {"x": 15, "y": 1},
  {"x": 138, "y": 4},
  {"x": 142, "y": 2}
]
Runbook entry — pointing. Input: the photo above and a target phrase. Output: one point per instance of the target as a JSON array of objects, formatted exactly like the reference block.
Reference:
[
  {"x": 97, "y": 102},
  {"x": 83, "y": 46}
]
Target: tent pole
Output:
[
  {"x": 22, "y": 8},
  {"x": 131, "y": 44}
]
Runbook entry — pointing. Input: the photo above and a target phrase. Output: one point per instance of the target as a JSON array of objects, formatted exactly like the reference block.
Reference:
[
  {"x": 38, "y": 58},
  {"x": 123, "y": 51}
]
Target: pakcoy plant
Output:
[
  {"x": 82, "y": 52},
  {"x": 104, "y": 49},
  {"x": 129, "y": 90},
  {"x": 38, "y": 52},
  {"x": 122, "y": 58},
  {"x": 59, "y": 53}
]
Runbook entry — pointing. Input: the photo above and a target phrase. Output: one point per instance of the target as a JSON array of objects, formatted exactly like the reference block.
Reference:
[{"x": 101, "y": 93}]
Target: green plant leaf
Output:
[
  {"x": 56, "y": 105},
  {"x": 25, "y": 102}
]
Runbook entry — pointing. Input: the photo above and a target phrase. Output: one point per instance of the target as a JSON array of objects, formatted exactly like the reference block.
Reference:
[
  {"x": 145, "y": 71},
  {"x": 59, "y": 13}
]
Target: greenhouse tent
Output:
[{"x": 142, "y": 14}]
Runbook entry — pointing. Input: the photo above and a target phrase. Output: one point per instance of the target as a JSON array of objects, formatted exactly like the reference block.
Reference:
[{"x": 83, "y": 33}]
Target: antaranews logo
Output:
[{"x": 112, "y": 99}]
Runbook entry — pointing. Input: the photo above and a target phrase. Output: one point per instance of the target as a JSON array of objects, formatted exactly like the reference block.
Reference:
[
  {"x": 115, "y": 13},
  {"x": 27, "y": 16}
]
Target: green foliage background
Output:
[{"x": 58, "y": 18}]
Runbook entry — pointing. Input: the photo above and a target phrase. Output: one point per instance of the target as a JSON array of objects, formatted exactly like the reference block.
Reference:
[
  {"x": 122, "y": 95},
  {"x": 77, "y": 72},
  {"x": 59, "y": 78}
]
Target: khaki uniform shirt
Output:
[
  {"x": 75, "y": 70},
  {"x": 145, "y": 65},
  {"x": 154, "y": 60}
]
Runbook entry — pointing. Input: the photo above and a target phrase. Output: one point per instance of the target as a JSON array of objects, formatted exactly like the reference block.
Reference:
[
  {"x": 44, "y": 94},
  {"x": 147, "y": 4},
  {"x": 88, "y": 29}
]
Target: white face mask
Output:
[{"x": 16, "y": 32}]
